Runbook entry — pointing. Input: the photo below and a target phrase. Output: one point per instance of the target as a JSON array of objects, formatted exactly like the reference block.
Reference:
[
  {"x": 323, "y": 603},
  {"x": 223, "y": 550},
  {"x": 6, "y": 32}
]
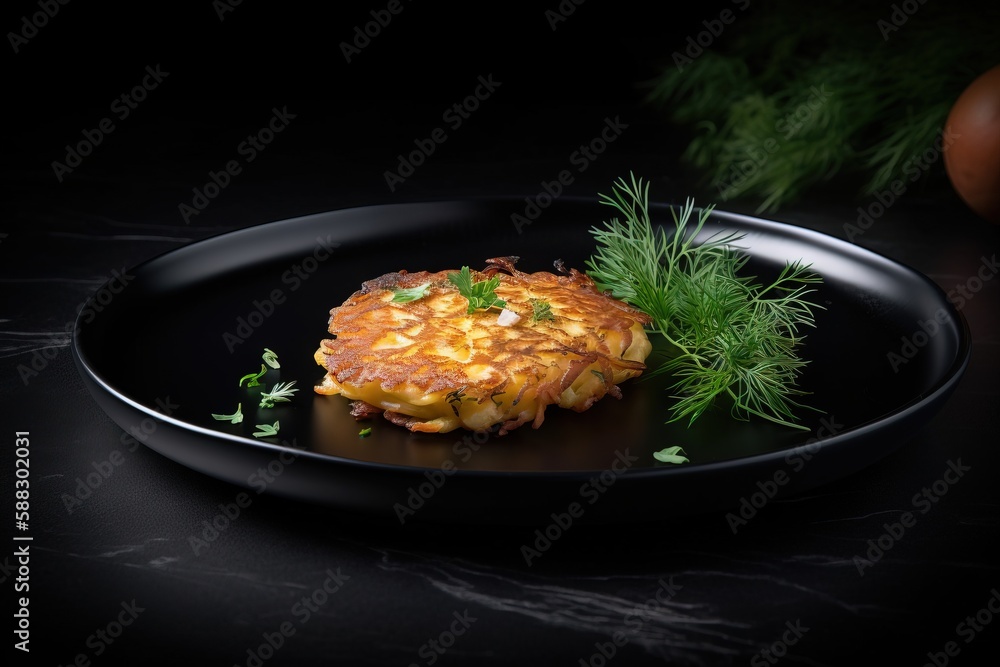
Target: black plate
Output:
[{"x": 193, "y": 321}]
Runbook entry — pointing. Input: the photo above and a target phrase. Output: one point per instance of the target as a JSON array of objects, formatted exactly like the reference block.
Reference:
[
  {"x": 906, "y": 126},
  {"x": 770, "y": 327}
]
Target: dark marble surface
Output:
[{"x": 678, "y": 590}]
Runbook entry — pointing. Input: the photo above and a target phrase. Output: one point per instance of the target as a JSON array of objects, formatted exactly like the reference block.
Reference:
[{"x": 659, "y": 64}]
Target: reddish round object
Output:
[{"x": 972, "y": 158}]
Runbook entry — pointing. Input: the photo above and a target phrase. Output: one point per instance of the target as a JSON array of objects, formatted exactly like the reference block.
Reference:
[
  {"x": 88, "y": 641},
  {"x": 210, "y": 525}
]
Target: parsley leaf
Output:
[
  {"x": 541, "y": 310},
  {"x": 234, "y": 418},
  {"x": 408, "y": 294},
  {"x": 481, "y": 294},
  {"x": 266, "y": 430},
  {"x": 670, "y": 455}
]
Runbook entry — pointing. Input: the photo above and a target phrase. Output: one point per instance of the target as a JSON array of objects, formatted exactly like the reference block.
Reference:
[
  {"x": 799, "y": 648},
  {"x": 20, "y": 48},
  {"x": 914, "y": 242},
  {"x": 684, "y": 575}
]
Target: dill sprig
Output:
[
  {"x": 730, "y": 335},
  {"x": 281, "y": 393}
]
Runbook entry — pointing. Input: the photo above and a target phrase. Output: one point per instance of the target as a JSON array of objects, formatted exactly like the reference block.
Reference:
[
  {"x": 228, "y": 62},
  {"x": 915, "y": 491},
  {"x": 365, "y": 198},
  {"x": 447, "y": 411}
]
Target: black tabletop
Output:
[{"x": 134, "y": 557}]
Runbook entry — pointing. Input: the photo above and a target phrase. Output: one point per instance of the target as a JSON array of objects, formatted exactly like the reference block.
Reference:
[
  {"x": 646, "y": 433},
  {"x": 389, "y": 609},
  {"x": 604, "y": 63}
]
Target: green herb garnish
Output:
[
  {"x": 281, "y": 393},
  {"x": 408, "y": 294},
  {"x": 541, "y": 310},
  {"x": 266, "y": 430},
  {"x": 480, "y": 294},
  {"x": 670, "y": 455},
  {"x": 234, "y": 418},
  {"x": 270, "y": 358},
  {"x": 729, "y": 336},
  {"x": 455, "y": 399},
  {"x": 365, "y": 432},
  {"x": 254, "y": 377}
]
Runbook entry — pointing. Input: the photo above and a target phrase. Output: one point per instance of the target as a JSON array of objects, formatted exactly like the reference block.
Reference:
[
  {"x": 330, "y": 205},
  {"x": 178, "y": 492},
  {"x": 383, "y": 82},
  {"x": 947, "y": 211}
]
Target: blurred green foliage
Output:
[{"x": 793, "y": 95}]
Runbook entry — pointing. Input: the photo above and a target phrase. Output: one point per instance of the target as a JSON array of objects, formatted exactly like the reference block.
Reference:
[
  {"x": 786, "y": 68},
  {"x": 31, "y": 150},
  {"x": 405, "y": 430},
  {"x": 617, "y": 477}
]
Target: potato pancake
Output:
[{"x": 431, "y": 366}]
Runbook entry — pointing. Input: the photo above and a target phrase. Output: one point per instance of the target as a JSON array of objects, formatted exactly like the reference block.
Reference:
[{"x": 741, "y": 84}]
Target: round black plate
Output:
[{"x": 164, "y": 353}]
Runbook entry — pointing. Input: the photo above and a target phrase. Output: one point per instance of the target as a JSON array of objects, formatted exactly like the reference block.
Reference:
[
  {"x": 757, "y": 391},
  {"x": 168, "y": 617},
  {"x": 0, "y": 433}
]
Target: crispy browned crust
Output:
[{"x": 435, "y": 367}]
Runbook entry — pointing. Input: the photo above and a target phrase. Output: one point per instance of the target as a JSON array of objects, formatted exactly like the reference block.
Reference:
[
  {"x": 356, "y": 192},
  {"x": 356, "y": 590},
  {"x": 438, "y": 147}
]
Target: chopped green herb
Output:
[
  {"x": 455, "y": 398},
  {"x": 495, "y": 401},
  {"x": 234, "y": 418},
  {"x": 599, "y": 374},
  {"x": 408, "y": 294},
  {"x": 270, "y": 358},
  {"x": 365, "y": 432},
  {"x": 281, "y": 393},
  {"x": 541, "y": 310},
  {"x": 670, "y": 455},
  {"x": 266, "y": 430},
  {"x": 254, "y": 377},
  {"x": 481, "y": 294}
]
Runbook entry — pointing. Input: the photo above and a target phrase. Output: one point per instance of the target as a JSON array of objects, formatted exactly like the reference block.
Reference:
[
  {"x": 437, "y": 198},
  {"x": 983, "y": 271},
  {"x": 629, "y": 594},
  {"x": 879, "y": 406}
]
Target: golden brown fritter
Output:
[{"x": 433, "y": 367}]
